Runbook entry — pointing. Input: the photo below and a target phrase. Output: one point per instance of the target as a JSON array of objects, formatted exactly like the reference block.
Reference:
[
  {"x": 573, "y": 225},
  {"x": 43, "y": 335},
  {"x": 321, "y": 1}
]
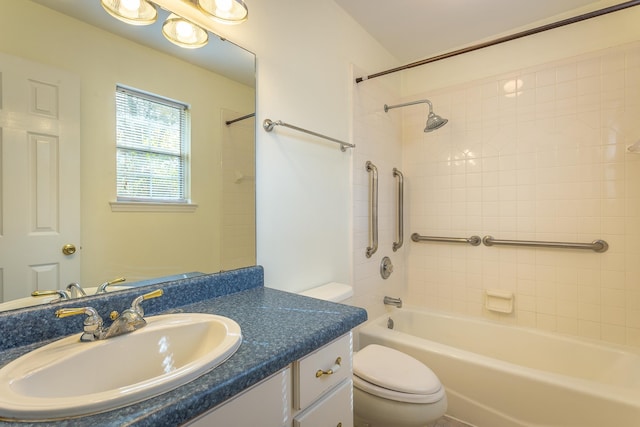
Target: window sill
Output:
[{"x": 152, "y": 207}]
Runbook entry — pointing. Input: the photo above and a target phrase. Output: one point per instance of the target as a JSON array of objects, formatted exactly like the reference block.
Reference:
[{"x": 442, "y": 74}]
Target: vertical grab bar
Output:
[
  {"x": 373, "y": 209},
  {"x": 400, "y": 230}
]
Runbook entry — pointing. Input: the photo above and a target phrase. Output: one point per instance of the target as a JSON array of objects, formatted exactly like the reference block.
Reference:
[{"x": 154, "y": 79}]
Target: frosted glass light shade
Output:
[
  {"x": 134, "y": 12},
  {"x": 225, "y": 11},
  {"x": 183, "y": 33}
]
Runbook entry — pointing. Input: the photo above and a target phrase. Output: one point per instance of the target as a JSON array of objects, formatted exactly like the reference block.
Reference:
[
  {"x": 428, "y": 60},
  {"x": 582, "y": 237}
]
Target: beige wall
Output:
[
  {"x": 134, "y": 245},
  {"x": 305, "y": 52}
]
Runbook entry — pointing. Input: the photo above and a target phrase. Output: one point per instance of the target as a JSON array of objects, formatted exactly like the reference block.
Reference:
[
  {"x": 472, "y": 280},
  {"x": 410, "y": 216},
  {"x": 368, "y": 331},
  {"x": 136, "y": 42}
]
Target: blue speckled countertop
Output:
[{"x": 277, "y": 328}]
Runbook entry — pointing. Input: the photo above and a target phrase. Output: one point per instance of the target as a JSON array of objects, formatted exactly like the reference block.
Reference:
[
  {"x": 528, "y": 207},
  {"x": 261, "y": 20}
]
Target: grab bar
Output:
[
  {"x": 268, "y": 125},
  {"x": 373, "y": 209},
  {"x": 596, "y": 245},
  {"x": 473, "y": 240},
  {"x": 397, "y": 245}
]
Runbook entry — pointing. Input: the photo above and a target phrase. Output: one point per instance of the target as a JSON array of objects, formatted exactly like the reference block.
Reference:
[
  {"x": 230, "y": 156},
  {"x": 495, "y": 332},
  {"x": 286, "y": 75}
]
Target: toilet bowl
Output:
[{"x": 390, "y": 388}]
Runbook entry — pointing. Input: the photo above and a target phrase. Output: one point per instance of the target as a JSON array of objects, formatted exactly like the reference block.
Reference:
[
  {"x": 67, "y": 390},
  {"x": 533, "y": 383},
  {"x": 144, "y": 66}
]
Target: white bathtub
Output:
[{"x": 506, "y": 376}]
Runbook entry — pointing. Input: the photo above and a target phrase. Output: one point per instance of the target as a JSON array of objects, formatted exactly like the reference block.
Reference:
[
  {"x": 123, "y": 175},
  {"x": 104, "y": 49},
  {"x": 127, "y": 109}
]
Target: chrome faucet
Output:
[
  {"x": 103, "y": 287},
  {"x": 130, "y": 320},
  {"x": 75, "y": 290},
  {"x": 93, "y": 329},
  {"x": 397, "y": 302}
]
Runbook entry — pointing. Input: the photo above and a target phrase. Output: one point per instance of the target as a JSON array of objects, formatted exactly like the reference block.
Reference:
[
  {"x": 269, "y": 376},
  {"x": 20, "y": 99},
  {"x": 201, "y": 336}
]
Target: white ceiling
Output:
[{"x": 412, "y": 30}]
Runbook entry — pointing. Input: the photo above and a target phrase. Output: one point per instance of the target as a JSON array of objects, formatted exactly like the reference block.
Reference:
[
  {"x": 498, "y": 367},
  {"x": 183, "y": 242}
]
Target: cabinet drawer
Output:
[
  {"x": 334, "y": 409},
  {"x": 321, "y": 370}
]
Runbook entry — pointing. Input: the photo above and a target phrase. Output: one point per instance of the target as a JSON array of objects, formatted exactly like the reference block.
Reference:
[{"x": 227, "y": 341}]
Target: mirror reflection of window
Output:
[{"x": 152, "y": 145}]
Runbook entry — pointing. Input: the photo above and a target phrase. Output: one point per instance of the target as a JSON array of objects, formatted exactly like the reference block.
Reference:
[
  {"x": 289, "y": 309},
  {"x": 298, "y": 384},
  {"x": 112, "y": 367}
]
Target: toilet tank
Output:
[{"x": 334, "y": 292}]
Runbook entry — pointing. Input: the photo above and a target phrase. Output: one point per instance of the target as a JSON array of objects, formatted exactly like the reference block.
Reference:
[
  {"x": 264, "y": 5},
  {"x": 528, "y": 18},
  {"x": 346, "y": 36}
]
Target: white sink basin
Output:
[{"x": 70, "y": 378}]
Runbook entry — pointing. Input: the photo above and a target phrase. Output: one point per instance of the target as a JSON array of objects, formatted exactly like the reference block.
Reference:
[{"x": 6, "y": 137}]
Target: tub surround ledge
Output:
[{"x": 277, "y": 327}]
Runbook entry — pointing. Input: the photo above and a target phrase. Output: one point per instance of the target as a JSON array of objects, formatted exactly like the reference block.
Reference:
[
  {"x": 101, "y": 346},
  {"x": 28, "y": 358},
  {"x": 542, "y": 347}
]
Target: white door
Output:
[{"x": 39, "y": 177}]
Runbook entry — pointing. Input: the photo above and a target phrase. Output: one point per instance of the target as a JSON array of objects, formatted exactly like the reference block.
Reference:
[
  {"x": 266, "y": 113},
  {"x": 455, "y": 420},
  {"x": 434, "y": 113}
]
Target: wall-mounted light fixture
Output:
[
  {"x": 183, "y": 33},
  {"x": 176, "y": 29},
  {"x": 134, "y": 12},
  {"x": 225, "y": 11}
]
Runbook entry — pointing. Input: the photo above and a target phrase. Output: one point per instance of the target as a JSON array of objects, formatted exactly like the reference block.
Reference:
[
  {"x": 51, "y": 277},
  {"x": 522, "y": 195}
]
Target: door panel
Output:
[{"x": 40, "y": 177}]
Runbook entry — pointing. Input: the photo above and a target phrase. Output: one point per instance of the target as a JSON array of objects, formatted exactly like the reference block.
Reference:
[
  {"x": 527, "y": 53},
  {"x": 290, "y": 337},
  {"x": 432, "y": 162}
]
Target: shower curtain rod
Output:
[
  {"x": 248, "y": 116},
  {"x": 504, "y": 39}
]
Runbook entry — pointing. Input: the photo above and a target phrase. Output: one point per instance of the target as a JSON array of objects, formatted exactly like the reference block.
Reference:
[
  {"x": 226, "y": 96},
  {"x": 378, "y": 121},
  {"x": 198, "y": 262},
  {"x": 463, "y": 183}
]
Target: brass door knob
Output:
[{"x": 69, "y": 249}]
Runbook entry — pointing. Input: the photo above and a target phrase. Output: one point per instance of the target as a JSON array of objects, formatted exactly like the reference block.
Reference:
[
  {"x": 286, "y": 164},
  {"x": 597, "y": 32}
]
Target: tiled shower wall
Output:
[
  {"x": 378, "y": 139},
  {"x": 238, "y": 192},
  {"x": 536, "y": 154}
]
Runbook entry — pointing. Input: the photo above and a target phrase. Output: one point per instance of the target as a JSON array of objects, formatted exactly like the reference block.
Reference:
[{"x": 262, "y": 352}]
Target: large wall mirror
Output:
[{"x": 140, "y": 242}]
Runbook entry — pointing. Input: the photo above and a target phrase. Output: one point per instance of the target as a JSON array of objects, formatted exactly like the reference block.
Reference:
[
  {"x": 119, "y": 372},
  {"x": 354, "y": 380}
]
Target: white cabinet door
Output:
[
  {"x": 333, "y": 410},
  {"x": 39, "y": 177},
  {"x": 267, "y": 404}
]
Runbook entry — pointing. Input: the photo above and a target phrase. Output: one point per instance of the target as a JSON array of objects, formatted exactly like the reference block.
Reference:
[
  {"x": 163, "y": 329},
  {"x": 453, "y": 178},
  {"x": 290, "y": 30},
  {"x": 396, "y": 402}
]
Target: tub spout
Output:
[{"x": 397, "y": 302}]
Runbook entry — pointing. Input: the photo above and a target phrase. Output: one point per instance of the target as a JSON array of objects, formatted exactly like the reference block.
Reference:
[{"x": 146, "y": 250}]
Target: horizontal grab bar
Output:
[
  {"x": 473, "y": 240},
  {"x": 268, "y": 125},
  {"x": 596, "y": 245}
]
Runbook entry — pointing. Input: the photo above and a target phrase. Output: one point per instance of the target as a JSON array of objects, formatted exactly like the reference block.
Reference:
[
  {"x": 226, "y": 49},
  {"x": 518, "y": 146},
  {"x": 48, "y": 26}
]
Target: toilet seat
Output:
[{"x": 393, "y": 375}]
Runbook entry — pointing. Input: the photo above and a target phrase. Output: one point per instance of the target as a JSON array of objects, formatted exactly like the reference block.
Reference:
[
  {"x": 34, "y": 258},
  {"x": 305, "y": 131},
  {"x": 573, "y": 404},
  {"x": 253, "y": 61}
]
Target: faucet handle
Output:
[
  {"x": 135, "y": 305},
  {"x": 103, "y": 287},
  {"x": 61, "y": 294},
  {"x": 92, "y": 323},
  {"x": 153, "y": 294}
]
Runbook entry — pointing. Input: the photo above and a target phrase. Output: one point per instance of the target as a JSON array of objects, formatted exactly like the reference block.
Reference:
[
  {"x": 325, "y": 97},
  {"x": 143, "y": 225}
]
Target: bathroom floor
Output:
[{"x": 450, "y": 422}]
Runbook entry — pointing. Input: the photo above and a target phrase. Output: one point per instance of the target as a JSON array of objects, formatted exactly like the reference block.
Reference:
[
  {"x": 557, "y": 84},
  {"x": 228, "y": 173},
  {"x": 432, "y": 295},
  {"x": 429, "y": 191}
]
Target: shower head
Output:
[{"x": 434, "y": 121}]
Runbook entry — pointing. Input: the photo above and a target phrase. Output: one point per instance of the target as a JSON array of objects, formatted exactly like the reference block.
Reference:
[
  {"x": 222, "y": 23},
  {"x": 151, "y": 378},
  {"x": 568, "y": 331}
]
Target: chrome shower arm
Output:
[
  {"x": 434, "y": 121},
  {"x": 421, "y": 101}
]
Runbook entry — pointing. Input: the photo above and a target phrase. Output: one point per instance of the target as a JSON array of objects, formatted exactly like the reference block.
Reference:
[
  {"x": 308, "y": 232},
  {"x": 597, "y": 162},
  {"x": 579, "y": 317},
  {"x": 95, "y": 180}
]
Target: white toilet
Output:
[{"x": 390, "y": 388}]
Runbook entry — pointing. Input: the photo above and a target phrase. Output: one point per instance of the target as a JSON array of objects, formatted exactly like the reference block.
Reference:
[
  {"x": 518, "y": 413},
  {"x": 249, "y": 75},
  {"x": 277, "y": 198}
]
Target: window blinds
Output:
[{"x": 151, "y": 134}]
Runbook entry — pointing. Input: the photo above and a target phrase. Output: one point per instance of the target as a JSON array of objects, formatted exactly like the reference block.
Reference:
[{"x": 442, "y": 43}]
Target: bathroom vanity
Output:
[
  {"x": 319, "y": 396},
  {"x": 294, "y": 361}
]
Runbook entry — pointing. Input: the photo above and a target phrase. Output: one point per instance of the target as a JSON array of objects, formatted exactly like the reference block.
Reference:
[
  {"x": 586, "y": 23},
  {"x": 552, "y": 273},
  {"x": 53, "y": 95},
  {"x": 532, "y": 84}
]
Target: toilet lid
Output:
[
  {"x": 385, "y": 393},
  {"x": 395, "y": 371}
]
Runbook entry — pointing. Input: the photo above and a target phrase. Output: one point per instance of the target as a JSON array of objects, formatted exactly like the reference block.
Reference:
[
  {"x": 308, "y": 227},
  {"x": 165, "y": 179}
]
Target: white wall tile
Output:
[{"x": 549, "y": 163}]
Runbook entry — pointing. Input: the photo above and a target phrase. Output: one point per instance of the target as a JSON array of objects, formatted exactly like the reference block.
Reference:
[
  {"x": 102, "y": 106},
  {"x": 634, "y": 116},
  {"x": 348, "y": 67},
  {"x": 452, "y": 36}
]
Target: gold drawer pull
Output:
[{"x": 331, "y": 371}]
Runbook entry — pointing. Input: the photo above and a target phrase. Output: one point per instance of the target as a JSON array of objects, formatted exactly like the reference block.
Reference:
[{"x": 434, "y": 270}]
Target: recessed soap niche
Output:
[{"x": 499, "y": 300}]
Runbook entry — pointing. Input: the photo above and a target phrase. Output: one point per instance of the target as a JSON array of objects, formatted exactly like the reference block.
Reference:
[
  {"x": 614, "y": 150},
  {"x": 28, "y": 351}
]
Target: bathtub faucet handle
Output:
[{"x": 397, "y": 302}]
